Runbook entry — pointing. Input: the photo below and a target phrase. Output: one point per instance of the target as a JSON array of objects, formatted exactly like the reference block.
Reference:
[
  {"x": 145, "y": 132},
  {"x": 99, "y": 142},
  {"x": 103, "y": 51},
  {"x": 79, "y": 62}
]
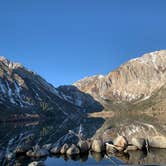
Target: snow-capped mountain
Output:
[
  {"x": 141, "y": 80},
  {"x": 25, "y": 93}
]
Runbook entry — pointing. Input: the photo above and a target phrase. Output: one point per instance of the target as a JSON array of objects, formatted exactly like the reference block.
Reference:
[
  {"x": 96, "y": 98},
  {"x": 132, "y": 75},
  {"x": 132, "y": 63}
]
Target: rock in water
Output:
[
  {"x": 107, "y": 136},
  {"x": 157, "y": 142},
  {"x": 47, "y": 146},
  {"x": 84, "y": 147},
  {"x": 56, "y": 149},
  {"x": 121, "y": 142},
  {"x": 73, "y": 150},
  {"x": 37, "y": 152},
  {"x": 131, "y": 148},
  {"x": 140, "y": 143},
  {"x": 37, "y": 163},
  {"x": 23, "y": 148},
  {"x": 97, "y": 146},
  {"x": 64, "y": 148},
  {"x": 97, "y": 156},
  {"x": 111, "y": 148}
]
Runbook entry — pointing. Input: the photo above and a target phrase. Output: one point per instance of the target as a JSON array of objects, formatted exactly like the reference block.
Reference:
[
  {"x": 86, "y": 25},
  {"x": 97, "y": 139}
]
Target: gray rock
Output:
[
  {"x": 9, "y": 155},
  {"x": 37, "y": 163},
  {"x": 157, "y": 142},
  {"x": 47, "y": 147},
  {"x": 37, "y": 152},
  {"x": 140, "y": 143},
  {"x": 121, "y": 142},
  {"x": 84, "y": 147},
  {"x": 64, "y": 148},
  {"x": 56, "y": 149},
  {"x": 73, "y": 150},
  {"x": 97, "y": 145},
  {"x": 23, "y": 148}
]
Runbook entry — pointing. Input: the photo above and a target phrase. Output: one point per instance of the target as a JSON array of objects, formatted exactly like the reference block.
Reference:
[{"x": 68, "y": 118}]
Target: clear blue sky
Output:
[{"x": 66, "y": 40}]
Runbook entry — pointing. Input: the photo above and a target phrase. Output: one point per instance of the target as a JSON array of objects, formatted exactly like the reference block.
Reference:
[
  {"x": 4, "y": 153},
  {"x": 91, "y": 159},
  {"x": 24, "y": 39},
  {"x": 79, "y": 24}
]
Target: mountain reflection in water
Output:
[{"x": 50, "y": 132}]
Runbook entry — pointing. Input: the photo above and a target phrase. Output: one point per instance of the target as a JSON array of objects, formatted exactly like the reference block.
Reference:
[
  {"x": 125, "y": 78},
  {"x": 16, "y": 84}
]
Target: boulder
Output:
[
  {"x": 121, "y": 142},
  {"x": 47, "y": 146},
  {"x": 111, "y": 148},
  {"x": 56, "y": 149},
  {"x": 64, "y": 148},
  {"x": 131, "y": 147},
  {"x": 23, "y": 148},
  {"x": 97, "y": 156},
  {"x": 89, "y": 142},
  {"x": 107, "y": 136},
  {"x": 97, "y": 146},
  {"x": 157, "y": 142},
  {"x": 9, "y": 155},
  {"x": 37, "y": 163},
  {"x": 83, "y": 146},
  {"x": 73, "y": 150},
  {"x": 140, "y": 143},
  {"x": 37, "y": 152}
]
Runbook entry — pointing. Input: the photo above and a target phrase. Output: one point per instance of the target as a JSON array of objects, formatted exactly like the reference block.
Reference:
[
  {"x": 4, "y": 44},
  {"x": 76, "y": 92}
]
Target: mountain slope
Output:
[
  {"x": 133, "y": 81},
  {"x": 24, "y": 94}
]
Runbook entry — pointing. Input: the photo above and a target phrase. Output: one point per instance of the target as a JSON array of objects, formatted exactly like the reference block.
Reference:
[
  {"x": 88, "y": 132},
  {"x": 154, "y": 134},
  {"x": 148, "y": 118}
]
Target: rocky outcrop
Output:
[{"x": 132, "y": 81}]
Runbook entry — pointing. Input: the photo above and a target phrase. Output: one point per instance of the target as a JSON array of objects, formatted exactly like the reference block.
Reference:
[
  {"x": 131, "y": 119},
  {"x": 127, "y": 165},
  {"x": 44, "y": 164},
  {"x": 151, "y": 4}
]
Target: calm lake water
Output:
[{"x": 50, "y": 132}]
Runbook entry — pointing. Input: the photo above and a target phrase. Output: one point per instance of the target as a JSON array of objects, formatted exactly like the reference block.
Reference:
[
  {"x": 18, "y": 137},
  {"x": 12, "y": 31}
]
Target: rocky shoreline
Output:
[{"x": 74, "y": 144}]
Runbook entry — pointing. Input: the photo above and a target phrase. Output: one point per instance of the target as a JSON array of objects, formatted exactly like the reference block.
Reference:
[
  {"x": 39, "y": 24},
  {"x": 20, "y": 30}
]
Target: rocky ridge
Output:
[
  {"x": 22, "y": 91},
  {"x": 135, "y": 80}
]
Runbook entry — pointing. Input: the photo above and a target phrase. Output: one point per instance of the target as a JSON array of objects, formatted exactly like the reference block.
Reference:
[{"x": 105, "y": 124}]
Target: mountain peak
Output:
[
  {"x": 135, "y": 80},
  {"x": 150, "y": 57},
  {"x": 10, "y": 64}
]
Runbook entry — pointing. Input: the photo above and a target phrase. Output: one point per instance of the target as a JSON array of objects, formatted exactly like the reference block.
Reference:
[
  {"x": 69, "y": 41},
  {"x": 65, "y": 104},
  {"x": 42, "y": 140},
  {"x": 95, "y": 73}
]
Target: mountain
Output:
[
  {"x": 134, "y": 94},
  {"x": 26, "y": 95},
  {"x": 138, "y": 85},
  {"x": 139, "y": 81}
]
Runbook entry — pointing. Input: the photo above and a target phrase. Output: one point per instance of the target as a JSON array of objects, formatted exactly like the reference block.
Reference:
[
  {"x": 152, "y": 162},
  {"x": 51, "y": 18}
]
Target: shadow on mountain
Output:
[
  {"x": 70, "y": 113},
  {"x": 83, "y": 100}
]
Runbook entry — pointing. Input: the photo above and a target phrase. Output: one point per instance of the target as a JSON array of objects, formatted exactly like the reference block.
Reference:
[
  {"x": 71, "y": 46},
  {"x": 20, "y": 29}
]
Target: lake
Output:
[{"x": 50, "y": 132}]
